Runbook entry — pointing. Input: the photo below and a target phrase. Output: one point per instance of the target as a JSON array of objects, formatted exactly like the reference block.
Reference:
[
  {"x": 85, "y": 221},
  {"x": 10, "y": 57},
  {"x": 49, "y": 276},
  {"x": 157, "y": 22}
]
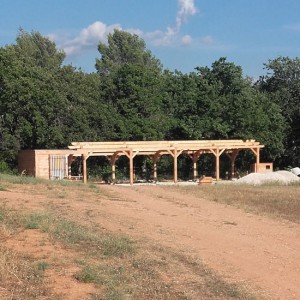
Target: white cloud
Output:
[
  {"x": 186, "y": 40},
  {"x": 172, "y": 34},
  {"x": 90, "y": 36},
  {"x": 187, "y": 8},
  {"x": 208, "y": 40}
]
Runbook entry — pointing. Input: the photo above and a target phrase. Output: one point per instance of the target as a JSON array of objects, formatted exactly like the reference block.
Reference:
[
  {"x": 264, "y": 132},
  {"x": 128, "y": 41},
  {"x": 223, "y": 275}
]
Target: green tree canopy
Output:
[
  {"x": 42, "y": 103},
  {"x": 131, "y": 83},
  {"x": 282, "y": 83}
]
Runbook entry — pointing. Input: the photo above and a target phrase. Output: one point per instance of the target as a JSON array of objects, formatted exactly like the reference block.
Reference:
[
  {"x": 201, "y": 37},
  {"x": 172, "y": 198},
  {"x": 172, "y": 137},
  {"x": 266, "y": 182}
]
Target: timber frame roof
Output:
[
  {"x": 155, "y": 149},
  {"x": 162, "y": 147}
]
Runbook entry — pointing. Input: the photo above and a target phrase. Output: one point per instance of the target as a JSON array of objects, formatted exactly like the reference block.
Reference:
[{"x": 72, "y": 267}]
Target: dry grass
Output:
[
  {"x": 117, "y": 266},
  {"x": 20, "y": 277},
  {"x": 273, "y": 200}
]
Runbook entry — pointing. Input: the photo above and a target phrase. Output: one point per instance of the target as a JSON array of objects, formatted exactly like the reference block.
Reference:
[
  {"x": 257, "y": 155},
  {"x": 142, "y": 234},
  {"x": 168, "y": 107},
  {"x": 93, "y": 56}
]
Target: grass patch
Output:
[
  {"x": 42, "y": 265},
  {"x": 276, "y": 201},
  {"x": 2, "y": 188},
  {"x": 20, "y": 277},
  {"x": 116, "y": 245},
  {"x": 70, "y": 233},
  {"x": 116, "y": 280},
  {"x": 15, "y": 179},
  {"x": 211, "y": 285},
  {"x": 10, "y": 220},
  {"x": 19, "y": 179}
]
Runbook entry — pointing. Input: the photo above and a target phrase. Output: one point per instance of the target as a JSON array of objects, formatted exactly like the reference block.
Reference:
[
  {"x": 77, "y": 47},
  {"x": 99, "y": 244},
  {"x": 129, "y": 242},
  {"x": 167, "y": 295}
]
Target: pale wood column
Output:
[
  {"x": 131, "y": 167},
  {"x": 257, "y": 159},
  {"x": 155, "y": 159},
  {"x": 155, "y": 169},
  {"x": 217, "y": 154},
  {"x": 218, "y": 164},
  {"x": 84, "y": 159},
  {"x": 112, "y": 161},
  {"x": 256, "y": 151},
  {"x": 232, "y": 156},
  {"x": 70, "y": 160},
  {"x": 175, "y": 153},
  {"x": 175, "y": 166},
  {"x": 130, "y": 156},
  {"x": 113, "y": 171},
  {"x": 195, "y": 158}
]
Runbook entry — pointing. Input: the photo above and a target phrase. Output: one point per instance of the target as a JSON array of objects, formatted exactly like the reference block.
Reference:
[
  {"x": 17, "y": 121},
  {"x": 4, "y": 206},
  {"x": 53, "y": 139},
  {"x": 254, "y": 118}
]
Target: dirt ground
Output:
[{"x": 242, "y": 247}]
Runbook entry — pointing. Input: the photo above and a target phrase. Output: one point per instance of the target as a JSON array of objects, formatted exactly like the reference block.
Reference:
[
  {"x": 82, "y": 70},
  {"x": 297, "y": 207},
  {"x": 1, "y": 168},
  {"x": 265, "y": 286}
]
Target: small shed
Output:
[
  {"x": 262, "y": 167},
  {"x": 46, "y": 164}
]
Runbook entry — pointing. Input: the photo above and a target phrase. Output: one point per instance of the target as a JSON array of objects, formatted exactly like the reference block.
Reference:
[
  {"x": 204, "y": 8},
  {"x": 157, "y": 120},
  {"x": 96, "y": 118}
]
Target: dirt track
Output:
[{"x": 240, "y": 246}]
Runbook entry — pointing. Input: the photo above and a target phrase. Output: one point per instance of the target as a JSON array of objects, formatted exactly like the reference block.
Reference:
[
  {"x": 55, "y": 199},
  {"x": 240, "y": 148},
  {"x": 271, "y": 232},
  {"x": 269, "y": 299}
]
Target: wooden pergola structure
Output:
[{"x": 155, "y": 149}]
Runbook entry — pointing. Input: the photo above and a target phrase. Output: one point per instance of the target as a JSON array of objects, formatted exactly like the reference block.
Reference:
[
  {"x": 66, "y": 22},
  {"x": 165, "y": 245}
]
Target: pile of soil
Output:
[{"x": 280, "y": 177}]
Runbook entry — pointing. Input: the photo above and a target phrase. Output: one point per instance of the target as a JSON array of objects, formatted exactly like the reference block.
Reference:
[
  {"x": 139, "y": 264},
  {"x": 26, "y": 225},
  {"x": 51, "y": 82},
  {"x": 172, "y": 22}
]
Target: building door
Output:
[{"x": 58, "y": 166}]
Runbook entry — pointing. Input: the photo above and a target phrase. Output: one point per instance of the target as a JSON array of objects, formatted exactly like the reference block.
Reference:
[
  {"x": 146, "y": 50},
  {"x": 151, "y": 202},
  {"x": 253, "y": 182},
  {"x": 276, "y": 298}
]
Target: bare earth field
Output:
[{"x": 187, "y": 244}]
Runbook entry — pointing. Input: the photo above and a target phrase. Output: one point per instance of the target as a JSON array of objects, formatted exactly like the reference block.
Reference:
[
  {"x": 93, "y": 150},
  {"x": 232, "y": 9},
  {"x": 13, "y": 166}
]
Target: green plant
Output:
[
  {"x": 33, "y": 221},
  {"x": 42, "y": 265},
  {"x": 116, "y": 246},
  {"x": 2, "y": 188},
  {"x": 88, "y": 274}
]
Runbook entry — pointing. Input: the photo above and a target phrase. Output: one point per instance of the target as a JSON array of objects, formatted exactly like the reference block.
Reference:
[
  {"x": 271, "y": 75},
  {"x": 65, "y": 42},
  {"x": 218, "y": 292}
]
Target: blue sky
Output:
[{"x": 183, "y": 34}]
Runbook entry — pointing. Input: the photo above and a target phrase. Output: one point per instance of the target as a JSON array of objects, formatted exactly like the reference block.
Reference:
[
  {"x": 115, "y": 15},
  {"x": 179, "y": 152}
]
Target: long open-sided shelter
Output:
[{"x": 57, "y": 163}]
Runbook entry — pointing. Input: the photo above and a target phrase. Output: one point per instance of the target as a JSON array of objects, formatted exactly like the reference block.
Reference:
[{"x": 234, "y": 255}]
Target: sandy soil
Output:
[{"x": 240, "y": 246}]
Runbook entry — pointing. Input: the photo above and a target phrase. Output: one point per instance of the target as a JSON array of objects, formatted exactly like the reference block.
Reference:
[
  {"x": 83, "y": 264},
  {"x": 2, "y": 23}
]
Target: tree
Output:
[
  {"x": 131, "y": 83},
  {"x": 235, "y": 109},
  {"x": 282, "y": 84},
  {"x": 42, "y": 103},
  {"x": 36, "y": 50}
]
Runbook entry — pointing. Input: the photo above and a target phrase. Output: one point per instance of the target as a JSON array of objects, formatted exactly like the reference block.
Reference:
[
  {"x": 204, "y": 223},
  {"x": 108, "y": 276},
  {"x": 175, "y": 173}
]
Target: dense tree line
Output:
[{"x": 46, "y": 104}]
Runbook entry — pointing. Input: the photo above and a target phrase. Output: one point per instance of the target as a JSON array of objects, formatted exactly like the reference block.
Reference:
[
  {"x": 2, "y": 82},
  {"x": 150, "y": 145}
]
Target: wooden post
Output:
[
  {"x": 175, "y": 166},
  {"x": 232, "y": 167},
  {"x": 155, "y": 169},
  {"x": 218, "y": 164},
  {"x": 84, "y": 158},
  {"x": 195, "y": 173},
  {"x": 232, "y": 156},
  {"x": 217, "y": 154},
  {"x": 113, "y": 160},
  {"x": 155, "y": 159},
  {"x": 256, "y": 152},
  {"x": 70, "y": 160},
  {"x": 113, "y": 171},
  {"x": 195, "y": 158},
  {"x": 131, "y": 167},
  {"x": 257, "y": 160}
]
